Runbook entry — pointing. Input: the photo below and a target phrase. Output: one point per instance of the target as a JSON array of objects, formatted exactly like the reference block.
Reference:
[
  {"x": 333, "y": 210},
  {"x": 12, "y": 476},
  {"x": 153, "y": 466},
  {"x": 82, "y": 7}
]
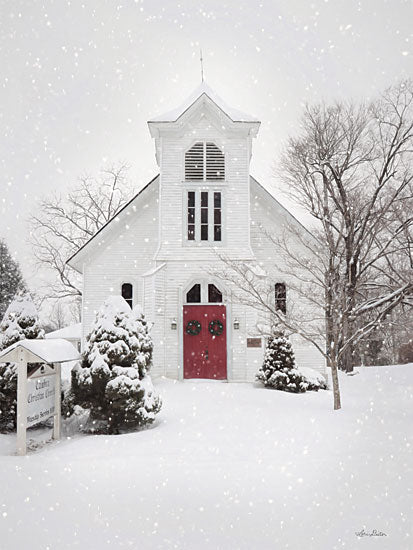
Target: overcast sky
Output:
[{"x": 79, "y": 79}]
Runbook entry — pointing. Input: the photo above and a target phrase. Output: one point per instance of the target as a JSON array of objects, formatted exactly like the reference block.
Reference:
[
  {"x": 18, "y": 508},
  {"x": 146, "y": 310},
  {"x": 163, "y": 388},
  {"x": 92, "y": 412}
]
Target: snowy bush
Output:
[
  {"x": 278, "y": 370},
  {"x": 314, "y": 380},
  {"x": 8, "y": 396},
  {"x": 19, "y": 322},
  {"x": 113, "y": 380}
]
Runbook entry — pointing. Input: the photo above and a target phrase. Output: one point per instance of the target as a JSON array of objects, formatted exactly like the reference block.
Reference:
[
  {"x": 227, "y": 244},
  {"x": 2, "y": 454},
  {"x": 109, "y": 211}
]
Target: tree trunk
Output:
[
  {"x": 347, "y": 359},
  {"x": 336, "y": 387}
]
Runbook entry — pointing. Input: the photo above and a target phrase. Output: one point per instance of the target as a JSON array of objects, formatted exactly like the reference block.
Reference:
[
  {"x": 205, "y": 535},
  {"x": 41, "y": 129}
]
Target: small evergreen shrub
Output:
[
  {"x": 19, "y": 322},
  {"x": 112, "y": 380},
  {"x": 8, "y": 397},
  {"x": 278, "y": 370}
]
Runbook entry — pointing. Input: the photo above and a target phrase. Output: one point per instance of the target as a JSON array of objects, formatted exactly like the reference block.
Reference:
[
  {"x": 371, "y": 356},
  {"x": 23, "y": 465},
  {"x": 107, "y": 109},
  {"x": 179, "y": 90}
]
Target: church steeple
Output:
[{"x": 204, "y": 93}]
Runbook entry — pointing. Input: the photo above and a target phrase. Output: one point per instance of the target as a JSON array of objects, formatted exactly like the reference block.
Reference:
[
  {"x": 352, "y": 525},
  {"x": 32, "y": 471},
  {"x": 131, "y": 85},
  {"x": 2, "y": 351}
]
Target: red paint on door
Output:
[{"x": 205, "y": 354}]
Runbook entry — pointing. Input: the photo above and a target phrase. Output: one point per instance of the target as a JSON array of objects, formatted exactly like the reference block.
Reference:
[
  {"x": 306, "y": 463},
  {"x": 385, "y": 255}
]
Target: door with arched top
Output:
[
  {"x": 205, "y": 341},
  {"x": 205, "y": 333}
]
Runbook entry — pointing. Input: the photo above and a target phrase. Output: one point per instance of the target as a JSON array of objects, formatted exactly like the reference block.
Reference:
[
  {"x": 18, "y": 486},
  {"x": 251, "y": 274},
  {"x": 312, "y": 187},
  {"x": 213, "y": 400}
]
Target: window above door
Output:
[{"x": 205, "y": 293}]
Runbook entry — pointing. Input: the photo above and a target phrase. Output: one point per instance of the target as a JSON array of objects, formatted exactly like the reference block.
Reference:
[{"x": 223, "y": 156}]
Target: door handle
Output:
[{"x": 206, "y": 354}]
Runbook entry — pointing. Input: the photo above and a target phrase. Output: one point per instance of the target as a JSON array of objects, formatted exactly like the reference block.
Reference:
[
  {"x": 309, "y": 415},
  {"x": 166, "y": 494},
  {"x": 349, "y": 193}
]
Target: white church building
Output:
[{"x": 159, "y": 250}]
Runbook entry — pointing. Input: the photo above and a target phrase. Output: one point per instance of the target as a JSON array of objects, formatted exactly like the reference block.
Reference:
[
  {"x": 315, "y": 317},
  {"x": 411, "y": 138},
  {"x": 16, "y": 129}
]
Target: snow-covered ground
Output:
[{"x": 227, "y": 466}]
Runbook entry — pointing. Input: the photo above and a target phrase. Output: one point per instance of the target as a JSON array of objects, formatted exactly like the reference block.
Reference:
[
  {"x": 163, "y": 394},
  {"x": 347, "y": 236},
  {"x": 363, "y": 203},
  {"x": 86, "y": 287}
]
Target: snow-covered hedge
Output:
[{"x": 112, "y": 379}]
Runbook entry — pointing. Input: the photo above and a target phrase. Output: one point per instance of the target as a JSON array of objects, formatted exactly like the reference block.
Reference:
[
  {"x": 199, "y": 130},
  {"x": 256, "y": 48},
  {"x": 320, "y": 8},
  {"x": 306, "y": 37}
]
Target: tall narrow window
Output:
[
  {"x": 281, "y": 297},
  {"x": 191, "y": 215},
  {"x": 193, "y": 296},
  {"x": 204, "y": 215},
  {"x": 214, "y": 295},
  {"x": 127, "y": 294},
  {"x": 217, "y": 216}
]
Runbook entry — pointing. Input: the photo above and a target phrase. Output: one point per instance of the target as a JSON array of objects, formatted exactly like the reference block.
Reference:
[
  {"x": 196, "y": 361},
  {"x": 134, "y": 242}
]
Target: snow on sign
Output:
[{"x": 41, "y": 395}]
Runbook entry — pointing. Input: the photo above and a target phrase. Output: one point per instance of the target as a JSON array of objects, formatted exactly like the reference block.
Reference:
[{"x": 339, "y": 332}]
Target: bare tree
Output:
[
  {"x": 349, "y": 168},
  {"x": 64, "y": 224},
  {"x": 352, "y": 170},
  {"x": 302, "y": 262}
]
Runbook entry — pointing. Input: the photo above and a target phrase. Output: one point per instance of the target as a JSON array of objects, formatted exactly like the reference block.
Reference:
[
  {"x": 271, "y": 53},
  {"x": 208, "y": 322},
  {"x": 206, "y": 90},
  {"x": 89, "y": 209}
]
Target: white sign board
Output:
[
  {"x": 41, "y": 397},
  {"x": 38, "y": 388}
]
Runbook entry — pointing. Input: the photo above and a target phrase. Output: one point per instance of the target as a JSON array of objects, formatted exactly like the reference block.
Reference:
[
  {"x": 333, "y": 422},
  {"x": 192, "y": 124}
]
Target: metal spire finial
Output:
[{"x": 202, "y": 65}]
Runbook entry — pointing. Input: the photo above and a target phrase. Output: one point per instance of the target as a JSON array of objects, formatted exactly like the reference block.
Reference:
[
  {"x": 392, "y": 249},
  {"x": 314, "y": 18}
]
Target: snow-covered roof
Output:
[
  {"x": 71, "y": 332},
  {"x": 44, "y": 351},
  {"x": 153, "y": 270},
  {"x": 204, "y": 89}
]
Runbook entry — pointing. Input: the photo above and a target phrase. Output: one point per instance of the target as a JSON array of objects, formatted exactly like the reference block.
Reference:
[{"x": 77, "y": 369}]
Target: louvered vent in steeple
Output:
[
  {"x": 215, "y": 163},
  {"x": 194, "y": 162},
  {"x": 204, "y": 162}
]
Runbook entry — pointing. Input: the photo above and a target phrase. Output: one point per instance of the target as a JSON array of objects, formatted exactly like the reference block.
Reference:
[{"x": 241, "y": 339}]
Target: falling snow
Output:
[{"x": 227, "y": 466}]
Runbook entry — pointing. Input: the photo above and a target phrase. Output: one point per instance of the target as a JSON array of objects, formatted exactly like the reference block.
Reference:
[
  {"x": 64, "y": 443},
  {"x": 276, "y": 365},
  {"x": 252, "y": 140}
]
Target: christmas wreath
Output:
[
  {"x": 193, "y": 328},
  {"x": 216, "y": 327}
]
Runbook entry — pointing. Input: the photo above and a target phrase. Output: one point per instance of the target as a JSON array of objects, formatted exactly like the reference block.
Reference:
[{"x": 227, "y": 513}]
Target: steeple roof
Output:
[{"x": 204, "y": 91}]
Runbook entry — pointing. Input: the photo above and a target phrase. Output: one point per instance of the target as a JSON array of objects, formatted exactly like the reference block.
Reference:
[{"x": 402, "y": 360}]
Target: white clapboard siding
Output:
[
  {"x": 267, "y": 213},
  {"x": 123, "y": 256}
]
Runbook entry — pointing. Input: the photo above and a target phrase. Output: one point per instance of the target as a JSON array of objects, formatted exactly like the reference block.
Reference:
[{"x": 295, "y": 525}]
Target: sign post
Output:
[
  {"x": 38, "y": 391},
  {"x": 58, "y": 406},
  {"x": 21, "y": 402}
]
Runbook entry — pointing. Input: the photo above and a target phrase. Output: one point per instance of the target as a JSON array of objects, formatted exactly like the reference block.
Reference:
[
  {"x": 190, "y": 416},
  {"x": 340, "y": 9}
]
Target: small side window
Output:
[
  {"x": 127, "y": 293},
  {"x": 281, "y": 297}
]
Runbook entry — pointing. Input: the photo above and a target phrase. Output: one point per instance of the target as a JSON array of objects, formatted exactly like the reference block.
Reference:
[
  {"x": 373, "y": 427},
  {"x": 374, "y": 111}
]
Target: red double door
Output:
[{"x": 205, "y": 353}]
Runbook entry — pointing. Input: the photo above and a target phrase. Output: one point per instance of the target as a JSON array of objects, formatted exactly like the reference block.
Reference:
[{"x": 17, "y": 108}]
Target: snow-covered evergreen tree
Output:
[
  {"x": 278, "y": 370},
  {"x": 145, "y": 341},
  {"x": 113, "y": 380},
  {"x": 19, "y": 322},
  {"x": 11, "y": 279}
]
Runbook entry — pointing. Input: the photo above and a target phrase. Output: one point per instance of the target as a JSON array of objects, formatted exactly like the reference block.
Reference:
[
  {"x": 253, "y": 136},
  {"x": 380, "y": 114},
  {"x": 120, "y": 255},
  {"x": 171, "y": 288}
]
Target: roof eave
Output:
[{"x": 156, "y": 125}]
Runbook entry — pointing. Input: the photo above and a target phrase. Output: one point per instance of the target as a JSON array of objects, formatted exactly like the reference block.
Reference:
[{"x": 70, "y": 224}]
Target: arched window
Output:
[
  {"x": 193, "y": 296},
  {"x": 127, "y": 293},
  {"x": 204, "y": 161}
]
